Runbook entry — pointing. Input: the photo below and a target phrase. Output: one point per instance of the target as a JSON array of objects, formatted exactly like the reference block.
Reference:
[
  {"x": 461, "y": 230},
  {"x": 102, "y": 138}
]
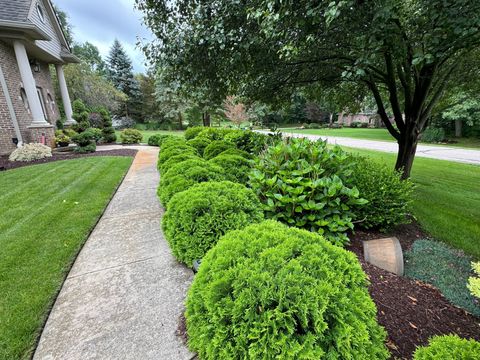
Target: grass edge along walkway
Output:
[
  {"x": 446, "y": 199},
  {"x": 48, "y": 211}
]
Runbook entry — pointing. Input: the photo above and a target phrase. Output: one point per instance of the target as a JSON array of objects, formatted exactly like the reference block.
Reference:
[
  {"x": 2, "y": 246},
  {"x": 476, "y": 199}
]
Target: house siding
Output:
[
  {"x": 43, "y": 80},
  {"x": 52, "y": 46}
]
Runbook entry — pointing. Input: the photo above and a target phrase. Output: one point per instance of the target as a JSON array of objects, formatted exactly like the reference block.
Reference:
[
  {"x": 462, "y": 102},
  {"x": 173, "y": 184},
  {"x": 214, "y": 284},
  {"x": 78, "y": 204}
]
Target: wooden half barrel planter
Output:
[{"x": 385, "y": 254}]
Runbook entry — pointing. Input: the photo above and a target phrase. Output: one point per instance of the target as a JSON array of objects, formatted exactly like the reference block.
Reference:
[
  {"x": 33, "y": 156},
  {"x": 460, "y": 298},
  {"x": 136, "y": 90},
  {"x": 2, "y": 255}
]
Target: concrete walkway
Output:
[
  {"x": 439, "y": 152},
  {"x": 124, "y": 295}
]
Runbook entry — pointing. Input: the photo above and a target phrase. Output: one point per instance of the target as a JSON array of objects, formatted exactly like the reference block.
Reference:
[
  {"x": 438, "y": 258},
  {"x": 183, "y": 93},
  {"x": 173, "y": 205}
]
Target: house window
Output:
[
  {"x": 40, "y": 13},
  {"x": 51, "y": 103},
  {"x": 23, "y": 96},
  {"x": 42, "y": 102}
]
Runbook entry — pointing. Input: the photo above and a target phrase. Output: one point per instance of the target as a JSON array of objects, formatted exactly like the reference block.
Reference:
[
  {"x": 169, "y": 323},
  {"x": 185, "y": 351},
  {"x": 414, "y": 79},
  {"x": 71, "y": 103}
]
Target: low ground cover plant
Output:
[
  {"x": 215, "y": 148},
  {"x": 445, "y": 268},
  {"x": 305, "y": 184},
  {"x": 474, "y": 281},
  {"x": 185, "y": 174},
  {"x": 198, "y": 217},
  {"x": 273, "y": 292},
  {"x": 236, "y": 167},
  {"x": 389, "y": 197},
  {"x": 448, "y": 347},
  {"x": 30, "y": 152},
  {"x": 131, "y": 136}
]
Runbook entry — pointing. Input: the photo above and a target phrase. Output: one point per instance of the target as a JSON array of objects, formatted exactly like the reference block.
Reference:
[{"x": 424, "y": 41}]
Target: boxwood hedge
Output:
[
  {"x": 273, "y": 292},
  {"x": 199, "y": 143},
  {"x": 236, "y": 167},
  {"x": 192, "y": 132},
  {"x": 186, "y": 155},
  {"x": 153, "y": 139},
  {"x": 170, "y": 151},
  {"x": 448, "y": 347},
  {"x": 198, "y": 217},
  {"x": 184, "y": 174},
  {"x": 215, "y": 148}
]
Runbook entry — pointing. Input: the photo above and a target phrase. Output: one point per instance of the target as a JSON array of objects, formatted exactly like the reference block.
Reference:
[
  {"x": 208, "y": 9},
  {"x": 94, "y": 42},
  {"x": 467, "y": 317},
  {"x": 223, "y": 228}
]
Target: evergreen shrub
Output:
[
  {"x": 273, "y": 292},
  {"x": 131, "y": 136},
  {"x": 200, "y": 144},
  {"x": 185, "y": 174},
  {"x": 215, "y": 148},
  {"x": 198, "y": 217},
  {"x": 236, "y": 167},
  {"x": 192, "y": 132},
  {"x": 448, "y": 347}
]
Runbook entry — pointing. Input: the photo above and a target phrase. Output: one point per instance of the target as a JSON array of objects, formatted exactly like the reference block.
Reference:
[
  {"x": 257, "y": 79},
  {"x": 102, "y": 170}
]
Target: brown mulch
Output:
[
  {"x": 411, "y": 311},
  {"x": 5, "y": 164}
]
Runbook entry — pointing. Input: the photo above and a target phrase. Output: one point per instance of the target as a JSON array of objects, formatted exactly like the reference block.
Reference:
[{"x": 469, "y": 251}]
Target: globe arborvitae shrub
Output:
[
  {"x": 153, "y": 139},
  {"x": 449, "y": 347},
  {"x": 387, "y": 194},
  {"x": 273, "y": 292},
  {"x": 213, "y": 134},
  {"x": 167, "y": 152},
  {"x": 215, "y": 148},
  {"x": 305, "y": 184},
  {"x": 198, "y": 217},
  {"x": 236, "y": 167},
  {"x": 163, "y": 138},
  {"x": 200, "y": 144},
  {"x": 185, "y": 174},
  {"x": 186, "y": 155},
  {"x": 192, "y": 132},
  {"x": 249, "y": 141},
  {"x": 131, "y": 136},
  {"x": 235, "y": 151},
  {"x": 172, "y": 141}
]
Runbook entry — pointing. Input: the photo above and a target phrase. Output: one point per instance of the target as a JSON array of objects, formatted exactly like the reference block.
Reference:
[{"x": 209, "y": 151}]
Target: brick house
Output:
[{"x": 31, "y": 41}]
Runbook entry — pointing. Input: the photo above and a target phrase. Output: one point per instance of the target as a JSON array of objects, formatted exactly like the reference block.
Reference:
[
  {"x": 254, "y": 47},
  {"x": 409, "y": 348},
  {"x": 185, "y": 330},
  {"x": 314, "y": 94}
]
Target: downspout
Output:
[{"x": 10, "y": 108}]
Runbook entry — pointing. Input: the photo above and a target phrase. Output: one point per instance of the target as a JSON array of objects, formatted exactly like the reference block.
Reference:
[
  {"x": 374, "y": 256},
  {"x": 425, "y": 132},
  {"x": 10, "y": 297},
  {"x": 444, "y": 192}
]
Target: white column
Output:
[
  {"x": 29, "y": 85},
  {"x": 67, "y": 105}
]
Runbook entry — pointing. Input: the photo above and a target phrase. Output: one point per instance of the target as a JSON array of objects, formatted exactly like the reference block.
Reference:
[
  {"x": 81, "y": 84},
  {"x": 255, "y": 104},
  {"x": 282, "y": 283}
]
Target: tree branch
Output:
[{"x": 392, "y": 89}]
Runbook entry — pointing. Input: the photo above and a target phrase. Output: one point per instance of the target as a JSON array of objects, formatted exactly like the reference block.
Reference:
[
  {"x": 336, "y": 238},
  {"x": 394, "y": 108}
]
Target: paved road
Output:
[
  {"x": 468, "y": 156},
  {"x": 124, "y": 295}
]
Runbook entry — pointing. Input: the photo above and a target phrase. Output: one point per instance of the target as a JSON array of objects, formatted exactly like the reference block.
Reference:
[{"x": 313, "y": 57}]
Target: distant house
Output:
[
  {"x": 370, "y": 118},
  {"x": 31, "y": 40}
]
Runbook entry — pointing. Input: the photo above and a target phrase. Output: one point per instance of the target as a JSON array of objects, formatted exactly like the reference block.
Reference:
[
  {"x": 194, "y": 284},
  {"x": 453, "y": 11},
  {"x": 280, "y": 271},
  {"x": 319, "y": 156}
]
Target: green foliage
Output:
[
  {"x": 185, "y": 174},
  {"x": 131, "y": 136},
  {"x": 153, "y": 139},
  {"x": 172, "y": 160},
  {"x": 305, "y": 184},
  {"x": 163, "y": 138},
  {"x": 474, "y": 281},
  {"x": 213, "y": 134},
  {"x": 172, "y": 141},
  {"x": 448, "y": 347},
  {"x": 389, "y": 197},
  {"x": 199, "y": 143},
  {"x": 97, "y": 134},
  {"x": 248, "y": 141},
  {"x": 61, "y": 139},
  {"x": 237, "y": 152},
  {"x": 445, "y": 268},
  {"x": 85, "y": 141},
  {"x": 236, "y": 167},
  {"x": 78, "y": 107},
  {"x": 215, "y": 148},
  {"x": 273, "y": 292},
  {"x": 192, "y": 132},
  {"x": 198, "y": 217},
  {"x": 433, "y": 135},
  {"x": 170, "y": 151},
  {"x": 108, "y": 132}
]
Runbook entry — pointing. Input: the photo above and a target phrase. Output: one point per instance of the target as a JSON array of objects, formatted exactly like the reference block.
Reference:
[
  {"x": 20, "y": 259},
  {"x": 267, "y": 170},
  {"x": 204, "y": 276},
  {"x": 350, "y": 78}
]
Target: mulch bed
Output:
[
  {"x": 8, "y": 165},
  {"x": 411, "y": 311}
]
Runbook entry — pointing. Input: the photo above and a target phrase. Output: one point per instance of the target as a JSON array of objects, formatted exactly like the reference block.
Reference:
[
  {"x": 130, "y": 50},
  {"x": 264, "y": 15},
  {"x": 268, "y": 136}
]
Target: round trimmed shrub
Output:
[
  {"x": 185, "y": 174},
  {"x": 192, "y": 132},
  {"x": 273, "y": 292},
  {"x": 236, "y": 167},
  {"x": 153, "y": 139},
  {"x": 249, "y": 141},
  {"x": 200, "y": 144},
  {"x": 131, "y": 136},
  {"x": 215, "y": 148},
  {"x": 213, "y": 133},
  {"x": 172, "y": 141},
  {"x": 163, "y": 138},
  {"x": 448, "y": 347},
  {"x": 198, "y": 217},
  {"x": 387, "y": 194},
  {"x": 170, "y": 151},
  {"x": 238, "y": 152},
  {"x": 186, "y": 155},
  {"x": 31, "y": 152}
]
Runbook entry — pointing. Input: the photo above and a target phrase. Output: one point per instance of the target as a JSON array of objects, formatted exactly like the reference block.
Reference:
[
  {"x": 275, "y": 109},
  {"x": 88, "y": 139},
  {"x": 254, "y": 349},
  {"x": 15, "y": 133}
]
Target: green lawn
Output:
[
  {"x": 147, "y": 133},
  {"x": 374, "y": 134},
  {"x": 447, "y": 199},
  {"x": 47, "y": 212}
]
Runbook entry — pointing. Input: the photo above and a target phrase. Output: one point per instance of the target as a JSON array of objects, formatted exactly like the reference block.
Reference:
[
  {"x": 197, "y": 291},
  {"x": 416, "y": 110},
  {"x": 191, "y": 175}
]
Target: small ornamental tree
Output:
[
  {"x": 235, "y": 111},
  {"x": 108, "y": 131}
]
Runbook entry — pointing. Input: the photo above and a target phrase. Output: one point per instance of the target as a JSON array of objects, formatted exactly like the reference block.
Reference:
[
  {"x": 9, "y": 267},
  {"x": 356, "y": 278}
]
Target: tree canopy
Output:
[{"x": 406, "y": 53}]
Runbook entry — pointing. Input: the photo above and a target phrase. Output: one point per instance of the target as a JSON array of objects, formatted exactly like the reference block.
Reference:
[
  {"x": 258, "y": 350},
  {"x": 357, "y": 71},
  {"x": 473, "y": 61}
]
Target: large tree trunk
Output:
[
  {"x": 206, "y": 119},
  {"x": 407, "y": 147},
  {"x": 458, "y": 128}
]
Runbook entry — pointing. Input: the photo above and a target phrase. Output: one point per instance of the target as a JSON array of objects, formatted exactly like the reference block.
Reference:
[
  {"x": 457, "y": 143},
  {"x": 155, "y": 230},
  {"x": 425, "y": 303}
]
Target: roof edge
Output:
[{"x": 29, "y": 29}]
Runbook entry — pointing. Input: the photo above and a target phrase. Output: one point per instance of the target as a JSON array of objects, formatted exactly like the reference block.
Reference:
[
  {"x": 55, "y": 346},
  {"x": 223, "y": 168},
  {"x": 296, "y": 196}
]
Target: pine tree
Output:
[{"x": 120, "y": 73}]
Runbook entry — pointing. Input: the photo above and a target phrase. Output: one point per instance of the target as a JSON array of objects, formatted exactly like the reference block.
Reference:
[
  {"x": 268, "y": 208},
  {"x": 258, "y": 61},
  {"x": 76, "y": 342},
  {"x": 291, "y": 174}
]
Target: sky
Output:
[{"x": 101, "y": 21}]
